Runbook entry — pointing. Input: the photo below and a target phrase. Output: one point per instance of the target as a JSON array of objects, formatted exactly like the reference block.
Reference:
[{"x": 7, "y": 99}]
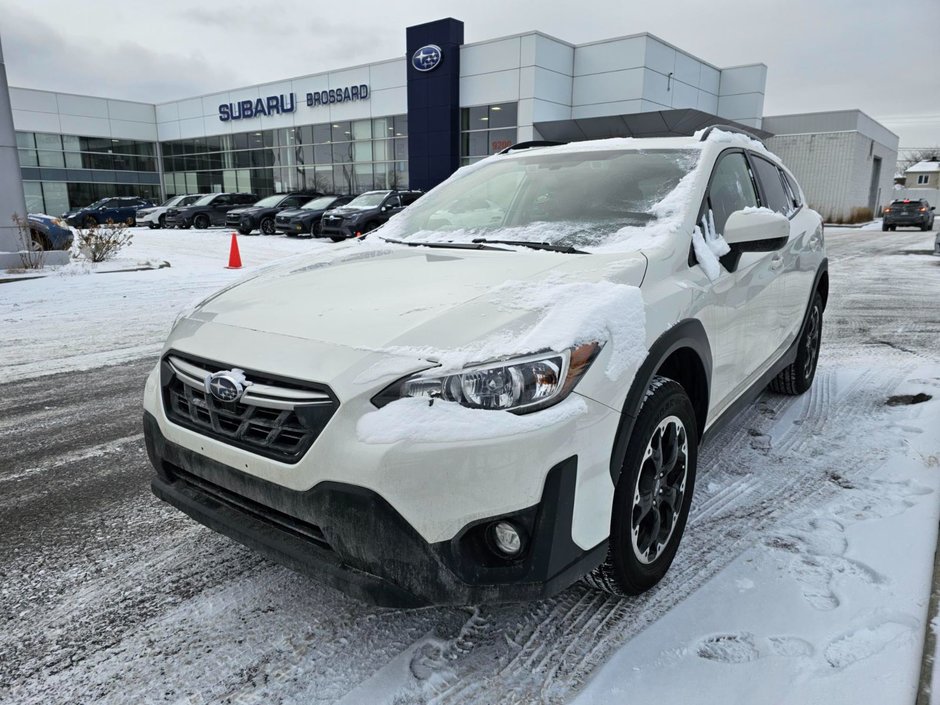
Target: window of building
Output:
[
  {"x": 922, "y": 179},
  {"x": 342, "y": 157},
  {"x": 487, "y": 129}
]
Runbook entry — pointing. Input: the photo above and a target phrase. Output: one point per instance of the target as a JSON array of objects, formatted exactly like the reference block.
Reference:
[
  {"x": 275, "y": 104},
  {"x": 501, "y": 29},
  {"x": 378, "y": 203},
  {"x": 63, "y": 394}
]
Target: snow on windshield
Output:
[{"x": 588, "y": 196}]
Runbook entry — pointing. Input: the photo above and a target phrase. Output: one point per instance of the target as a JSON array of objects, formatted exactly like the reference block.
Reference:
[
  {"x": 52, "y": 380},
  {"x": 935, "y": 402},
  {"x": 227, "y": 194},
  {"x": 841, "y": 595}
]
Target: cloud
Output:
[{"x": 876, "y": 55}]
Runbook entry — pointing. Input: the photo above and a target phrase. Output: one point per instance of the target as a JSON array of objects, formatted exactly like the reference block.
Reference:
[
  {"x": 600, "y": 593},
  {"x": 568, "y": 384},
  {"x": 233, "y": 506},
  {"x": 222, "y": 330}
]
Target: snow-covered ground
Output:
[
  {"x": 803, "y": 577},
  {"x": 68, "y": 320}
]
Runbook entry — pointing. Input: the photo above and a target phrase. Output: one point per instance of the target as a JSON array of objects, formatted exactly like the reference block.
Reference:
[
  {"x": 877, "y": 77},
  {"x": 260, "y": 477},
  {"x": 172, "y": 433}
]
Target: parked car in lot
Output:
[
  {"x": 506, "y": 388},
  {"x": 120, "y": 209},
  {"x": 307, "y": 219},
  {"x": 155, "y": 217},
  {"x": 48, "y": 232},
  {"x": 208, "y": 210},
  {"x": 907, "y": 212},
  {"x": 260, "y": 215},
  {"x": 365, "y": 213}
]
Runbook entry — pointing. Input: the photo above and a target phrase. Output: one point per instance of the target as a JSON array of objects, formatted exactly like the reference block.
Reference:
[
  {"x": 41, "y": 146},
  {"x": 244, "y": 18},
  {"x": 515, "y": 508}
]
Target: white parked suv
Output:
[
  {"x": 155, "y": 217},
  {"x": 504, "y": 388}
]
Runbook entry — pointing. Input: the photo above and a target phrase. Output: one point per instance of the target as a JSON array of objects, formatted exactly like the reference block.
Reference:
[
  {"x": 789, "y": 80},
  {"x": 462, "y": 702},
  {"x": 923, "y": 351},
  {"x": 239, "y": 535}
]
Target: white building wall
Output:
[
  {"x": 835, "y": 169},
  {"x": 199, "y": 117},
  {"x": 87, "y": 116}
]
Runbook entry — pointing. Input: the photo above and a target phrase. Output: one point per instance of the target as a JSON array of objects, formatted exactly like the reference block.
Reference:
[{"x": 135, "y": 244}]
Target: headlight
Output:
[{"x": 520, "y": 385}]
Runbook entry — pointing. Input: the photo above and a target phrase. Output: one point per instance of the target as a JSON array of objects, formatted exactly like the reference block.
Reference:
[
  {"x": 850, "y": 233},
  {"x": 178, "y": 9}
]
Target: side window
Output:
[
  {"x": 776, "y": 197},
  {"x": 393, "y": 202},
  {"x": 408, "y": 198},
  {"x": 223, "y": 200},
  {"x": 794, "y": 189},
  {"x": 731, "y": 189}
]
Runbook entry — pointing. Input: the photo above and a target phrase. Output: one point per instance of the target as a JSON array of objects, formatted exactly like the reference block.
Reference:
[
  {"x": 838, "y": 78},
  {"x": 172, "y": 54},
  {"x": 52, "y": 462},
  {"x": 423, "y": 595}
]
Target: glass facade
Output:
[
  {"x": 68, "y": 171},
  {"x": 486, "y": 129},
  {"x": 341, "y": 157},
  {"x": 61, "y": 172}
]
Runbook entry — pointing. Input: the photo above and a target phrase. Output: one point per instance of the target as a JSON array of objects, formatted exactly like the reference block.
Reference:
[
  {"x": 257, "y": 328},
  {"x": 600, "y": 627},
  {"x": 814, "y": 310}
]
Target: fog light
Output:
[{"x": 506, "y": 538}]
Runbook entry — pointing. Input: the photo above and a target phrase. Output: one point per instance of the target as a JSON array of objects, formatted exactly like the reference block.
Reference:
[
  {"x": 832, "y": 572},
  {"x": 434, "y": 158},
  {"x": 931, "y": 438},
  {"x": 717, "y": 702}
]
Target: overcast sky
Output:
[{"x": 882, "y": 56}]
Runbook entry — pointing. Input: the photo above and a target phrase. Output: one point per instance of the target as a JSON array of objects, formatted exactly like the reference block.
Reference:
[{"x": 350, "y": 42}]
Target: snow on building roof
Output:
[{"x": 923, "y": 167}]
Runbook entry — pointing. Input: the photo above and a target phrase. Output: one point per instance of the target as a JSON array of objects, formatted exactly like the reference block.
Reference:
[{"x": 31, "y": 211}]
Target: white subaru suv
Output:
[{"x": 504, "y": 389}]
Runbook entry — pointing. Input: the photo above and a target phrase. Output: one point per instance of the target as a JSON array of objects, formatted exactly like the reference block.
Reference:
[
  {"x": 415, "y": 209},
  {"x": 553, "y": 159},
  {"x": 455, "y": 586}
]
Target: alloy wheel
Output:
[
  {"x": 659, "y": 490},
  {"x": 812, "y": 342}
]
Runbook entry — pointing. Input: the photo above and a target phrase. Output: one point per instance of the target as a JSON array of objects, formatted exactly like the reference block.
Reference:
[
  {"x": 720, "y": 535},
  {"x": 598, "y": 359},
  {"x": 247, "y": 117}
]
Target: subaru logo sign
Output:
[
  {"x": 227, "y": 386},
  {"x": 427, "y": 58}
]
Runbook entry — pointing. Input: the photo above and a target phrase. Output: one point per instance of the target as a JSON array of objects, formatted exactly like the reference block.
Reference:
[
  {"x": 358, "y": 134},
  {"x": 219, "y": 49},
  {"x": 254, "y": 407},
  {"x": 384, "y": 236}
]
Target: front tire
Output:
[
  {"x": 315, "y": 228},
  {"x": 91, "y": 222},
  {"x": 161, "y": 222},
  {"x": 201, "y": 222},
  {"x": 267, "y": 226},
  {"x": 653, "y": 494},
  {"x": 798, "y": 376}
]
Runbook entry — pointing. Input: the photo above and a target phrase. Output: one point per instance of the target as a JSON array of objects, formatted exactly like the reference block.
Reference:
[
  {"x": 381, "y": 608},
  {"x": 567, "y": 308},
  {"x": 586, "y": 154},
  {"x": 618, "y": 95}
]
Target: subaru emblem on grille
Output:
[{"x": 227, "y": 385}]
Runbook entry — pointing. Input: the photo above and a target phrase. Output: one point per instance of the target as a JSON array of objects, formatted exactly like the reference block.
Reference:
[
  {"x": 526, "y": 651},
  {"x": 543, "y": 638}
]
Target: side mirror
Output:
[
  {"x": 384, "y": 209},
  {"x": 756, "y": 230},
  {"x": 933, "y": 208}
]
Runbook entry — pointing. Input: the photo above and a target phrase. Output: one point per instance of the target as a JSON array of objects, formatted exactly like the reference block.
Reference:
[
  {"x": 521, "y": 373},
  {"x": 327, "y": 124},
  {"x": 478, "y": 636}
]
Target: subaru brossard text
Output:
[{"x": 504, "y": 388}]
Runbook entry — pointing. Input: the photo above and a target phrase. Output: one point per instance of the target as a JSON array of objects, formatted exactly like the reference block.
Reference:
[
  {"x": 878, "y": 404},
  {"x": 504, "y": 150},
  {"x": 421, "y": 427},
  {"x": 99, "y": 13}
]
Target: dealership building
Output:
[{"x": 411, "y": 121}]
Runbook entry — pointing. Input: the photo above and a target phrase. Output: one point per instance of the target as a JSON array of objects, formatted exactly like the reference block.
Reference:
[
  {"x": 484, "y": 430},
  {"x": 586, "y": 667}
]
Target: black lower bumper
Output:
[{"x": 350, "y": 538}]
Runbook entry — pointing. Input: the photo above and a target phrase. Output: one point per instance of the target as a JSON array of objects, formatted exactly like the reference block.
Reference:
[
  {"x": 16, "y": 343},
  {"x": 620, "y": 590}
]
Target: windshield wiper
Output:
[
  {"x": 566, "y": 249},
  {"x": 475, "y": 245}
]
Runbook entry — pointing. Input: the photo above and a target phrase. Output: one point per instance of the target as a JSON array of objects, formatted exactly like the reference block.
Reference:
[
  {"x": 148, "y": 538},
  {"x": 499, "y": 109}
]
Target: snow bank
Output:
[{"x": 449, "y": 422}]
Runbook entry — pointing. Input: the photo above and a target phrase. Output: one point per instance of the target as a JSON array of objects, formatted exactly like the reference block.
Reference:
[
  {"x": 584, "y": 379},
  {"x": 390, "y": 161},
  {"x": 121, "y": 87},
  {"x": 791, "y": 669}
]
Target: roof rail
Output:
[
  {"x": 729, "y": 128},
  {"x": 530, "y": 145}
]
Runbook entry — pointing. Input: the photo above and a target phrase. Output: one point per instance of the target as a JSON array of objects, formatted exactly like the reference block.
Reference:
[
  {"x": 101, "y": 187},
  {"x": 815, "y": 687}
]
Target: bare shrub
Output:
[
  {"x": 859, "y": 214},
  {"x": 103, "y": 242},
  {"x": 32, "y": 253}
]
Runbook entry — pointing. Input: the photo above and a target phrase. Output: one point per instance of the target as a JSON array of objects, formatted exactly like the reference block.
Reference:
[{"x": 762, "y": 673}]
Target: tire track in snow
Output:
[{"x": 582, "y": 627}]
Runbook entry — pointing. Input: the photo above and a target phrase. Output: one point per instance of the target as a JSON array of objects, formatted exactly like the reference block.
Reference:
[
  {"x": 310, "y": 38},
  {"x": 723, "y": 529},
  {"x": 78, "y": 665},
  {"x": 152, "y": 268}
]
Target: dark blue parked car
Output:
[
  {"x": 122, "y": 209},
  {"x": 49, "y": 233}
]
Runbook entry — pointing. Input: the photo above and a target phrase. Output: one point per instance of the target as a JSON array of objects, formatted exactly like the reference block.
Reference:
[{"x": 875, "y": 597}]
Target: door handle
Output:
[{"x": 777, "y": 262}]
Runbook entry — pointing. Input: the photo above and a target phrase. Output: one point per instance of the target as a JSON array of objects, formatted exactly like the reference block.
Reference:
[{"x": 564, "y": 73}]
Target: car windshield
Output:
[
  {"x": 205, "y": 200},
  {"x": 318, "y": 204},
  {"x": 189, "y": 200},
  {"x": 561, "y": 197},
  {"x": 368, "y": 200},
  {"x": 98, "y": 203},
  {"x": 269, "y": 201},
  {"x": 172, "y": 201}
]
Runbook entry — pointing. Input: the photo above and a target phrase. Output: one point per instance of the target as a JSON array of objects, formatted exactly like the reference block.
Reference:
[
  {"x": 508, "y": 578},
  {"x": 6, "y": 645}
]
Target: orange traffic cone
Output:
[{"x": 234, "y": 258}]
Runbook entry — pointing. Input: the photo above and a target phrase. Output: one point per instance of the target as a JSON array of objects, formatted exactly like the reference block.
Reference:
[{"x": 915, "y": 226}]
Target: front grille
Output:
[
  {"x": 282, "y": 220},
  {"x": 275, "y": 418}
]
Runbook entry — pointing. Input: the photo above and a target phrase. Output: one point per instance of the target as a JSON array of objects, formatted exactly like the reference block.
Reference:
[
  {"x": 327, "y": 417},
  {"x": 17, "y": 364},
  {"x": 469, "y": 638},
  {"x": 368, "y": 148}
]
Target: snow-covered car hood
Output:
[
  {"x": 376, "y": 298},
  {"x": 347, "y": 210},
  {"x": 298, "y": 212}
]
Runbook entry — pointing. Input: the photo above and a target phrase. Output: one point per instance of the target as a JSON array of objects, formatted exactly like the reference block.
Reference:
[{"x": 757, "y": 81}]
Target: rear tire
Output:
[
  {"x": 653, "y": 494},
  {"x": 798, "y": 376}
]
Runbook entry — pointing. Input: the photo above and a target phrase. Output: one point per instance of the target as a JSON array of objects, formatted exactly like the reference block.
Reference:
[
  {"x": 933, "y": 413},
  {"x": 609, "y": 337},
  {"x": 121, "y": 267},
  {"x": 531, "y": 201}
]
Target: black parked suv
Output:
[
  {"x": 261, "y": 215},
  {"x": 208, "y": 210},
  {"x": 365, "y": 213},
  {"x": 307, "y": 219},
  {"x": 120, "y": 209},
  {"x": 907, "y": 211}
]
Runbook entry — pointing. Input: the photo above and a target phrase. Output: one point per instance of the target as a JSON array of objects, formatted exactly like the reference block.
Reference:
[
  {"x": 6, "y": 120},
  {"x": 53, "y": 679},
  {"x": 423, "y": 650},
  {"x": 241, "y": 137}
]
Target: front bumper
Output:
[
  {"x": 178, "y": 220},
  {"x": 352, "y": 539},
  {"x": 339, "y": 230},
  {"x": 291, "y": 228}
]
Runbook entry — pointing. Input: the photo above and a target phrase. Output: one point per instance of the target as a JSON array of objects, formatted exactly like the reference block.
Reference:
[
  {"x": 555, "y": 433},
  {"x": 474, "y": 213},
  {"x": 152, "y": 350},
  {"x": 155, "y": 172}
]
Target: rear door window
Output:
[{"x": 772, "y": 189}]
